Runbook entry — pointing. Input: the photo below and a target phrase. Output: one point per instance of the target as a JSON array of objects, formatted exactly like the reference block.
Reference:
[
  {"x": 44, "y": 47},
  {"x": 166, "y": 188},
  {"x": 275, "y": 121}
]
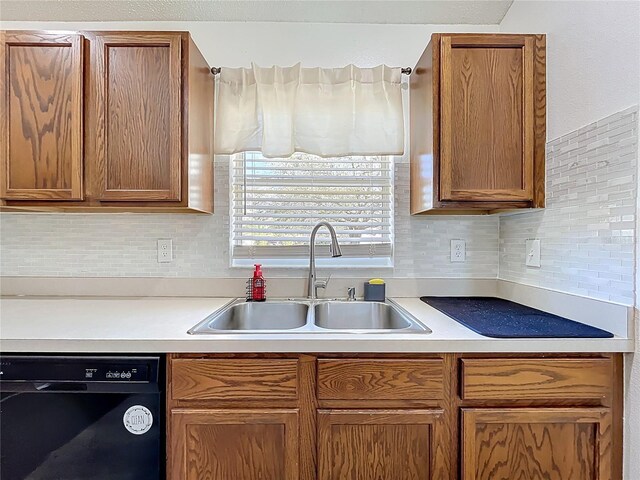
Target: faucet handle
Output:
[
  {"x": 321, "y": 284},
  {"x": 351, "y": 294}
]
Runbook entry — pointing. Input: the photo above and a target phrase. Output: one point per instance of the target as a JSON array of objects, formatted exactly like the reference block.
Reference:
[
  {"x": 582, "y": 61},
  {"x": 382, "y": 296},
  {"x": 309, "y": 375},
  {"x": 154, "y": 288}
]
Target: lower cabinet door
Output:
[
  {"x": 544, "y": 443},
  {"x": 381, "y": 445},
  {"x": 234, "y": 445}
]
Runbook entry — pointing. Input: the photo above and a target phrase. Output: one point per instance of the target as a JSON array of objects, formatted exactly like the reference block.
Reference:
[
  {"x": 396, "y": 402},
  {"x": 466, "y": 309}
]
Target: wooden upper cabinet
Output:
[
  {"x": 137, "y": 101},
  {"x": 550, "y": 443},
  {"x": 478, "y": 123},
  {"x": 145, "y": 100},
  {"x": 486, "y": 124},
  {"x": 41, "y": 92}
]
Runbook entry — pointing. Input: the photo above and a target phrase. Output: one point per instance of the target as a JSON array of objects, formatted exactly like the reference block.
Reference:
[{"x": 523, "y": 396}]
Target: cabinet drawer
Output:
[
  {"x": 352, "y": 379},
  {"x": 532, "y": 379},
  {"x": 220, "y": 379}
]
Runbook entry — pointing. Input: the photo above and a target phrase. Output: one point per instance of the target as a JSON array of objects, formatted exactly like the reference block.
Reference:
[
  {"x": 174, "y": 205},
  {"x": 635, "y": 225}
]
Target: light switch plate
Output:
[
  {"x": 165, "y": 250},
  {"x": 533, "y": 253},
  {"x": 458, "y": 251}
]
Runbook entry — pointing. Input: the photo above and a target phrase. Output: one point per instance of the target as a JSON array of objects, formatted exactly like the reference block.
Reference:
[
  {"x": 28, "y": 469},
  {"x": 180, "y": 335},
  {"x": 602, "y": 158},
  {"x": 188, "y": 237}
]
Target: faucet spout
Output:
[{"x": 334, "y": 248}]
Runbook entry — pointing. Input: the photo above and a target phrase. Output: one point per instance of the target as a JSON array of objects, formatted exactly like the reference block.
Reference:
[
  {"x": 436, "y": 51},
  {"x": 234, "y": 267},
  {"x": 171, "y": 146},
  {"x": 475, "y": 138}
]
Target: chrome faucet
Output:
[{"x": 312, "y": 283}]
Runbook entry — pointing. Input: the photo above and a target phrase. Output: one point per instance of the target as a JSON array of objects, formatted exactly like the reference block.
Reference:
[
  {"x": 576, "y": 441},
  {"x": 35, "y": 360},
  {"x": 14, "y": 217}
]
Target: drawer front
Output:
[
  {"x": 220, "y": 379},
  {"x": 533, "y": 379},
  {"x": 353, "y": 379}
]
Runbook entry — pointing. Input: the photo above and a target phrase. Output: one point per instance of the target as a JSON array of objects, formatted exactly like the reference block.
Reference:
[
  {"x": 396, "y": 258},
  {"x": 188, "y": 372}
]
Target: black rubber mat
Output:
[{"x": 498, "y": 318}]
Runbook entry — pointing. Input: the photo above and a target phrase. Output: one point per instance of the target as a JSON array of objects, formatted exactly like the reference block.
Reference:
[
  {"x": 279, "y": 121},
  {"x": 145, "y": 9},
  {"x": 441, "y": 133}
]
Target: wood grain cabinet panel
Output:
[
  {"x": 234, "y": 444},
  {"x": 105, "y": 122},
  {"x": 487, "y": 124},
  {"x": 536, "y": 379},
  {"x": 381, "y": 445},
  {"x": 220, "y": 379},
  {"x": 478, "y": 124},
  {"x": 137, "y": 100},
  {"x": 41, "y": 93},
  {"x": 554, "y": 444},
  {"x": 384, "y": 417},
  {"x": 380, "y": 379}
]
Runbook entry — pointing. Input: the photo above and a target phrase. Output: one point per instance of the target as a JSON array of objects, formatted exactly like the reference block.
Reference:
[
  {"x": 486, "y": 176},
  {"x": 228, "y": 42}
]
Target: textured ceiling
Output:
[{"x": 316, "y": 11}]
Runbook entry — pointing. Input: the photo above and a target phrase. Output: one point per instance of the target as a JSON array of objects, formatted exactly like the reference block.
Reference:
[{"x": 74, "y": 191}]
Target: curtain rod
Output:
[{"x": 405, "y": 71}]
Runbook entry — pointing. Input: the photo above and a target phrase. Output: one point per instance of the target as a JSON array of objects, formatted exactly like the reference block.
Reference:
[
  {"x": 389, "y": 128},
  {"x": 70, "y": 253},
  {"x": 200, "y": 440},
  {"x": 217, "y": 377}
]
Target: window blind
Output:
[{"x": 276, "y": 202}]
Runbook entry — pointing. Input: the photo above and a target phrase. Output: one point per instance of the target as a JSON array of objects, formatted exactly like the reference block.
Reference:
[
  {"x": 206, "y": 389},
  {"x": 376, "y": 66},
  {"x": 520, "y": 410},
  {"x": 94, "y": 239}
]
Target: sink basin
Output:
[
  {"x": 376, "y": 316},
  {"x": 255, "y": 316},
  {"x": 309, "y": 316}
]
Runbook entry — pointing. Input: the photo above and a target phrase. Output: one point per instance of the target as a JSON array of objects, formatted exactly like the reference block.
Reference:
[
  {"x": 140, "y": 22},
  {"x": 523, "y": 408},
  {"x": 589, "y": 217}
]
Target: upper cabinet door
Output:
[
  {"x": 137, "y": 100},
  {"x": 41, "y": 121},
  {"x": 487, "y": 118}
]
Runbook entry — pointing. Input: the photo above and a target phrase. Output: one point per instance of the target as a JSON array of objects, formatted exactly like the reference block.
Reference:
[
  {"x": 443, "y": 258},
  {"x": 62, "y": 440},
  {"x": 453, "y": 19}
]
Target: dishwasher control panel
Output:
[{"x": 68, "y": 369}]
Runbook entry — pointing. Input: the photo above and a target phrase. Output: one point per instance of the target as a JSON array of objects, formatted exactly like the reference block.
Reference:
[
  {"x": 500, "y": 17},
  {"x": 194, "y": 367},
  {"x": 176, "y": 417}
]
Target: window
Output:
[{"x": 276, "y": 202}]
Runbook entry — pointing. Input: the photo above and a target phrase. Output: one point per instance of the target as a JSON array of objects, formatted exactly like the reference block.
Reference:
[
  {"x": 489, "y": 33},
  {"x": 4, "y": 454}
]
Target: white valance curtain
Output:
[{"x": 325, "y": 112}]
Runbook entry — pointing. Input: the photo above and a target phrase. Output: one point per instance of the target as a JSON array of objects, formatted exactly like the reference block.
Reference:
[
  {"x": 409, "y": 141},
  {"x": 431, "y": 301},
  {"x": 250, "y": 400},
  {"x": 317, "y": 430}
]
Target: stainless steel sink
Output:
[
  {"x": 255, "y": 316},
  {"x": 309, "y": 316},
  {"x": 374, "y": 316}
]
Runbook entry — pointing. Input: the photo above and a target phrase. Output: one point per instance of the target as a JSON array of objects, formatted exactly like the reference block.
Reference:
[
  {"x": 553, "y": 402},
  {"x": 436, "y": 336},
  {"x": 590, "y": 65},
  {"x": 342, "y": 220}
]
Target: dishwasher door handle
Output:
[{"x": 60, "y": 387}]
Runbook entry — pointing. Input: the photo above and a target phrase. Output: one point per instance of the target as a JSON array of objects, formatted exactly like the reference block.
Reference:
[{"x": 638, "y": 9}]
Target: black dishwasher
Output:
[{"x": 81, "y": 418}]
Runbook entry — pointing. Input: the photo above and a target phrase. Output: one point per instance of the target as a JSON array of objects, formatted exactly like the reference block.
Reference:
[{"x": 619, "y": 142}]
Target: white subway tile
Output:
[
  {"x": 118, "y": 245},
  {"x": 588, "y": 229}
]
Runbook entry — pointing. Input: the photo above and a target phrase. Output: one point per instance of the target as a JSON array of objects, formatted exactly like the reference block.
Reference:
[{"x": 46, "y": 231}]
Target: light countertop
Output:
[{"x": 160, "y": 324}]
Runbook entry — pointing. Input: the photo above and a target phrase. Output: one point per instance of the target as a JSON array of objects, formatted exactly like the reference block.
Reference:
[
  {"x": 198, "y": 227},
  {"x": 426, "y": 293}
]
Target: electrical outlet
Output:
[
  {"x": 165, "y": 250},
  {"x": 533, "y": 253},
  {"x": 458, "y": 251}
]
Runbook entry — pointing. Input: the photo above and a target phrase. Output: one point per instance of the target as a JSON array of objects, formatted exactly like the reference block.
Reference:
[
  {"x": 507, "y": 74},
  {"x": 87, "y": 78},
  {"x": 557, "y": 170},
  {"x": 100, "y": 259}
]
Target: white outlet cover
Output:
[
  {"x": 165, "y": 250},
  {"x": 533, "y": 253},
  {"x": 458, "y": 251}
]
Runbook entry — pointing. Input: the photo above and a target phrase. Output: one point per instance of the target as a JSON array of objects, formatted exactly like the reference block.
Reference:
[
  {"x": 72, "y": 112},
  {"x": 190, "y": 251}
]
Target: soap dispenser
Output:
[{"x": 256, "y": 286}]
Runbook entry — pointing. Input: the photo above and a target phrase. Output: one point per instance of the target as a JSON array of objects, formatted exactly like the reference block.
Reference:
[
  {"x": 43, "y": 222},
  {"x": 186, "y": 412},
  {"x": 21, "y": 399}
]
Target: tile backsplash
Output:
[
  {"x": 587, "y": 230},
  {"x": 124, "y": 245},
  {"x": 588, "y": 227}
]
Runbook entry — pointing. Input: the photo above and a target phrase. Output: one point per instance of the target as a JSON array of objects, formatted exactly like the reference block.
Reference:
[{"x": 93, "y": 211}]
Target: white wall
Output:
[
  {"x": 632, "y": 383},
  {"x": 632, "y": 373},
  {"x": 593, "y": 71},
  {"x": 593, "y": 64},
  {"x": 235, "y": 44}
]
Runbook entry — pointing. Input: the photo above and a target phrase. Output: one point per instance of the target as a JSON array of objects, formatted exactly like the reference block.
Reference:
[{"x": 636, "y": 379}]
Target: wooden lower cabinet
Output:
[
  {"x": 379, "y": 444},
  {"x": 536, "y": 443},
  {"x": 234, "y": 444},
  {"x": 394, "y": 417}
]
